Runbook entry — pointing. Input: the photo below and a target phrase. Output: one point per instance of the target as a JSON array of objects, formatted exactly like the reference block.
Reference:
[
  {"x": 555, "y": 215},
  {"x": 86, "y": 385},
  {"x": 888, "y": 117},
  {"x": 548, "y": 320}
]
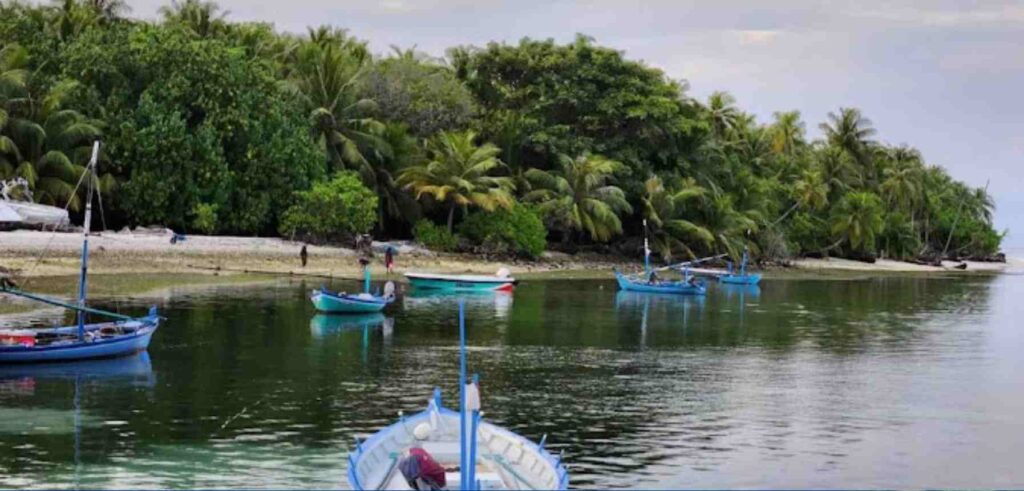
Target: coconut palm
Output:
[
  {"x": 578, "y": 198},
  {"x": 858, "y": 219},
  {"x": 837, "y": 171},
  {"x": 787, "y": 133},
  {"x": 901, "y": 186},
  {"x": 404, "y": 150},
  {"x": 852, "y": 132},
  {"x": 809, "y": 193},
  {"x": 722, "y": 113},
  {"x": 460, "y": 173},
  {"x": 663, "y": 210},
  {"x": 204, "y": 18},
  {"x": 325, "y": 80}
]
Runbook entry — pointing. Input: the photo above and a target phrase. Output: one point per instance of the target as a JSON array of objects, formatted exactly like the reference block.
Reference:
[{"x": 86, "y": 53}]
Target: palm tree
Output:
[
  {"x": 663, "y": 209},
  {"x": 205, "y": 18},
  {"x": 395, "y": 202},
  {"x": 901, "y": 187},
  {"x": 325, "y": 80},
  {"x": 578, "y": 198},
  {"x": 809, "y": 193},
  {"x": 722, "y": 113},
  {"x": 852, "y": 132},
  {"x": 787, "y": 132},
  {"x": 857, "y": 218},
  {"x": 108, "y": 10},
  {"x": 837, "y": 171},
  {"x": 459, "y": 172}
]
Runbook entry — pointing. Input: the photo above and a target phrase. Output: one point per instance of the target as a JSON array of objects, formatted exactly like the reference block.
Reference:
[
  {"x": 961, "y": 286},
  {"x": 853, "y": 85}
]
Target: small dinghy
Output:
[
  {"x": 122, "y": 337},
  {"x": 442, "y": 448},
  {"x": 353, "y": 303},
  {"x": 501, "y": 281},
  {"x": 690, "y": 285},
  {"x": 741, "y": 278}
]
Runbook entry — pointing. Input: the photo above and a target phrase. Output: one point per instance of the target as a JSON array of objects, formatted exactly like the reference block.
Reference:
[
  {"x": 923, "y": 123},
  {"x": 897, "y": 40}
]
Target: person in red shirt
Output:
[{"x": 418, "y": 467}]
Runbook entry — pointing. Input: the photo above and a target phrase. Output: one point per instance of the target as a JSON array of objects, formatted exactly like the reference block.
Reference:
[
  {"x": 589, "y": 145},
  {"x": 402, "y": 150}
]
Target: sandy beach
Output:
[{"x": 152, "y": 252}]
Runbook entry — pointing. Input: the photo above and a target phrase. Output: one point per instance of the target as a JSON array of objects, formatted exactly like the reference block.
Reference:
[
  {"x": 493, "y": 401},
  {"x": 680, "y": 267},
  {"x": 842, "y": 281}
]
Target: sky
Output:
[{"x": 943, "y": 76}]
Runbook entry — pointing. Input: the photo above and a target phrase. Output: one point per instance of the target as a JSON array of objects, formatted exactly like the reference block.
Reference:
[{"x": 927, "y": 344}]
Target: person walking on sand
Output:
[
  {"x": 303, "y": 255},
  {"x": 389, "y": 259}
]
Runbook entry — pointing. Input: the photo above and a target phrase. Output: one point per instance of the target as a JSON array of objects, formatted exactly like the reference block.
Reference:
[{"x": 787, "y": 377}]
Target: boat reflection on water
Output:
[
  {"x": 135, "y": 370},
  {"x": 326, "y": 324},
  {"x": 741, "y": 294},
  {"x": 674, "y": 307},
  {"x": 436, "y": 300}
]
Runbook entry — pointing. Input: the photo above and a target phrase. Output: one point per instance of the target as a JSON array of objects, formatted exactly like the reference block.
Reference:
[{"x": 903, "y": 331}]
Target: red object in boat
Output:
[{"x": 22, "y": 339}]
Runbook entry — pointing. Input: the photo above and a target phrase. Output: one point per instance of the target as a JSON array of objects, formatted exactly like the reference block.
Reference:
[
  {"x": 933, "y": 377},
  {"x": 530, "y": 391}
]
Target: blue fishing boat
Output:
[
  {"x": 502, "y": 281},
  {"x": 740, "y": 278},
  {"x": 474, "y": 453},
  {"x": 688, "y": 286},
  {"x": 353, "y": 303},
  {"x": 121, "y": 337}
]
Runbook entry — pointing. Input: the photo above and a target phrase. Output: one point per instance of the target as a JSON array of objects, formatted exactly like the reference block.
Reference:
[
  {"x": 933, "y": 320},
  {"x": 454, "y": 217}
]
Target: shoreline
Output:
[{"x": 152, "y": 253}]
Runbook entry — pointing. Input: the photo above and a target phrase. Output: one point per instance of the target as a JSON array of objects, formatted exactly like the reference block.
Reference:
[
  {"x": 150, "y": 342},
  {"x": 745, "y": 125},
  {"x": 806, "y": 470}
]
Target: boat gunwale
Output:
[
  {"x": 482, "y": 279},
  {"x": 149, "y": 325},
  {"x": 348, "y": 297}
]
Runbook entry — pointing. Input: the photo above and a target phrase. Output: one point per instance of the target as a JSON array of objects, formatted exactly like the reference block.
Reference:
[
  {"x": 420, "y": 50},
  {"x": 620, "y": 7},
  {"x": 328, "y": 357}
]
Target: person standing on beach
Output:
[
  {"x": 389, "y": 259},
  {"x": 303, "y": 255}
]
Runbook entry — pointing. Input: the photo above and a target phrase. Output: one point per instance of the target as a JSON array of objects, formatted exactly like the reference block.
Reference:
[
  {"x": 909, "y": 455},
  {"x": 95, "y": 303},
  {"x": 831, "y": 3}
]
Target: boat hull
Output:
[
  {"x": 121, "y": 345},
  {"x": 461, "y": 283},
  {"x": 505, "y": 460},
  {"x": 670, "y": 288},
  {"x": 735, "y": 279},
  {"x": 347, "y": 304}
]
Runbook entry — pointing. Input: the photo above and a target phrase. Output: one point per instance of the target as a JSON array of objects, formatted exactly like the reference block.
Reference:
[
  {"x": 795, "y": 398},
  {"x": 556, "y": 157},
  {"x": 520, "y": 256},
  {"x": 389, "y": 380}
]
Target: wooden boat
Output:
[
  {"x": 122, "y": 337},
  {"x": 476, "y": 454},
  {"x": 689, "y": 286},
  {"x": 502, "y": 281},
  {"x": 353, "y": 303},
  {"x": 741, "y": 278}
]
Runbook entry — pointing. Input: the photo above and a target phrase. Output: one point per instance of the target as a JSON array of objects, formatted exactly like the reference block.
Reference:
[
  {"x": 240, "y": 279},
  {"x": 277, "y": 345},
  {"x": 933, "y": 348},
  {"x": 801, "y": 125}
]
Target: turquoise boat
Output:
[
  {"x": 353, "y": 303},
  {"x": 690, "y": 286},
  {"x": 741, "y": 278},
  {"x": 502, "y": 281}
]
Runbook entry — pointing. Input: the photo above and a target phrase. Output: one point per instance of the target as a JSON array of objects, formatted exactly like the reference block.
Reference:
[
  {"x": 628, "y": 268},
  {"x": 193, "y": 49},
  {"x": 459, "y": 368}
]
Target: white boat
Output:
[
  {"x": 475, "y": 454},
  {"x": 502, "y": 281},
  {"x": 30, "y": 213}
]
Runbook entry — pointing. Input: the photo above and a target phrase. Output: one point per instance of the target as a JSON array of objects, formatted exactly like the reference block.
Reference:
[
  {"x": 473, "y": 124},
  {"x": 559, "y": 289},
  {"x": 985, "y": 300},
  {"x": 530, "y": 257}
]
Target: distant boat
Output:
[
  {"x": 353, "y": 303},
  {"x": 475, "y": 454},
  {"x": 741, "y": 278},
  {"x": 122, "y": 337},
  {"x": 688, "y": 286},
  {"x": 23, "y": 211},
  {"x": 502, "y": 281}
]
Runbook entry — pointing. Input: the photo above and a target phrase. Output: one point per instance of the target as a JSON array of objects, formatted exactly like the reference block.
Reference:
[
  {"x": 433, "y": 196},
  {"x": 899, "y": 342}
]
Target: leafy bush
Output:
[
  {"x": 517, "y": 230},
  {"x": 332, "y": 210},
  {"x": 434, "y": 237},
  {"x": 204, "y": 217}
]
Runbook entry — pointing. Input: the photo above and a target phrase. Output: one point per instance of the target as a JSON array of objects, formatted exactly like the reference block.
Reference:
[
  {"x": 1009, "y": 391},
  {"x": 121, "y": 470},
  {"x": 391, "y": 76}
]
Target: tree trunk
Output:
[
  {"x": 784, "y": 215},
  {"x": 451, "y": 217}
]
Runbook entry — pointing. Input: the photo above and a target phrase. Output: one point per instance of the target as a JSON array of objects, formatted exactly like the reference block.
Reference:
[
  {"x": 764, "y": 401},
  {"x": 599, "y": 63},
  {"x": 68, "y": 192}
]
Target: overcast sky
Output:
[{"x": 943, "y": 76}]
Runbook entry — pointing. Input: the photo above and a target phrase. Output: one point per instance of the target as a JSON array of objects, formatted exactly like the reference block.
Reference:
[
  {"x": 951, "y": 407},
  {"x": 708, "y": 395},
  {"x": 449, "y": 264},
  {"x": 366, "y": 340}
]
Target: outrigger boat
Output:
[
  {"x": 742, "y": 278},
  {"x": 474, "y": 453},
  {"x": 649, "y": 282},
  {"x": 353, "y": 303},
  {"x": 121, "y": 337},
  {"x": 501, "y": 281}
]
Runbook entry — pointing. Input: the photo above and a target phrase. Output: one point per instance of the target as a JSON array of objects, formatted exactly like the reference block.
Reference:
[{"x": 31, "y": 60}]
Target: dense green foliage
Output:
[
  {"x": 334, "y": 209},
  {"x": 518, "y": 230},
  {"x": 218, "y": 127},
  {"x": 434, "y": 236}
]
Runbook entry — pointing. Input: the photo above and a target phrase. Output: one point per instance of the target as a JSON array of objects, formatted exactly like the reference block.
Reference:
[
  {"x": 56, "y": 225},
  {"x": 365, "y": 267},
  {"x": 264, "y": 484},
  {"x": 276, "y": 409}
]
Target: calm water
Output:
[{"x": 893, "y": 382}]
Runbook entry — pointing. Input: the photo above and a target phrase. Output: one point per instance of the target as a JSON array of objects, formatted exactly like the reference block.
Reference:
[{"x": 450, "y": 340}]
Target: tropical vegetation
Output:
[{"x": 223, "y": 127}]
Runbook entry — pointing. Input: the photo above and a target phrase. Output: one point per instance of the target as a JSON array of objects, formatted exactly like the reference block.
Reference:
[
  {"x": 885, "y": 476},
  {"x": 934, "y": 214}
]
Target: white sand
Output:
[{"x": 888, "y": 265}]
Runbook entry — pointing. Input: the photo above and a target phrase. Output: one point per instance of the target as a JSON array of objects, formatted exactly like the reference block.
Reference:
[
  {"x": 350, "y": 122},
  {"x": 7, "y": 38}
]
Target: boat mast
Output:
[
  {"x": 463, "y": 454},
  {"x": 85, "y": 240},
  {"x": 647, "y": 252}
]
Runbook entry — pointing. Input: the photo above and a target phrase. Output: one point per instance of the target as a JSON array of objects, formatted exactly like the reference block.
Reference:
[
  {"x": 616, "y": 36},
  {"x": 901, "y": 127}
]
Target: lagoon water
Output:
[{"x": 854, "y": 383}]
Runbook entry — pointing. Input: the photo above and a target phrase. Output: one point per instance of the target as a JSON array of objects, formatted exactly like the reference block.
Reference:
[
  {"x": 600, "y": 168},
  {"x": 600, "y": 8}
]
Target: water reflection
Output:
[{"x": 432, "y": 300}]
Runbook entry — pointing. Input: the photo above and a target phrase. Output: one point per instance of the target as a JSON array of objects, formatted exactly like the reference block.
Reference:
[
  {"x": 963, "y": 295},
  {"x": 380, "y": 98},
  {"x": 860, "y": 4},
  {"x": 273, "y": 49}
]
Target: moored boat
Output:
[
  {"x": 121, "y": 337},
  {"x": 688, "y": 286},
  {"x": 501, "y": 281},
  {"x": 466, "y": 452},
  {"x": 355, "y": 303}
]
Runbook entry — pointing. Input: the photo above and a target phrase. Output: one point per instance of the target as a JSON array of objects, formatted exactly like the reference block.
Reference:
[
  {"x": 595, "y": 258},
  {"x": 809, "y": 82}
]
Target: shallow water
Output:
[{"x": 885, "y": 382}]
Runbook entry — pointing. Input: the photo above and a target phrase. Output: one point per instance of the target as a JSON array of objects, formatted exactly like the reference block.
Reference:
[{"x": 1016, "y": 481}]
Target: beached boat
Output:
[
  {"x": 121, "y": 337},
  {"x": 475, "y": 454},
  {"x": 502, "y": 281},
  {"x": 688, "y": 286},
  {"x": 24, "y": 211}
]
